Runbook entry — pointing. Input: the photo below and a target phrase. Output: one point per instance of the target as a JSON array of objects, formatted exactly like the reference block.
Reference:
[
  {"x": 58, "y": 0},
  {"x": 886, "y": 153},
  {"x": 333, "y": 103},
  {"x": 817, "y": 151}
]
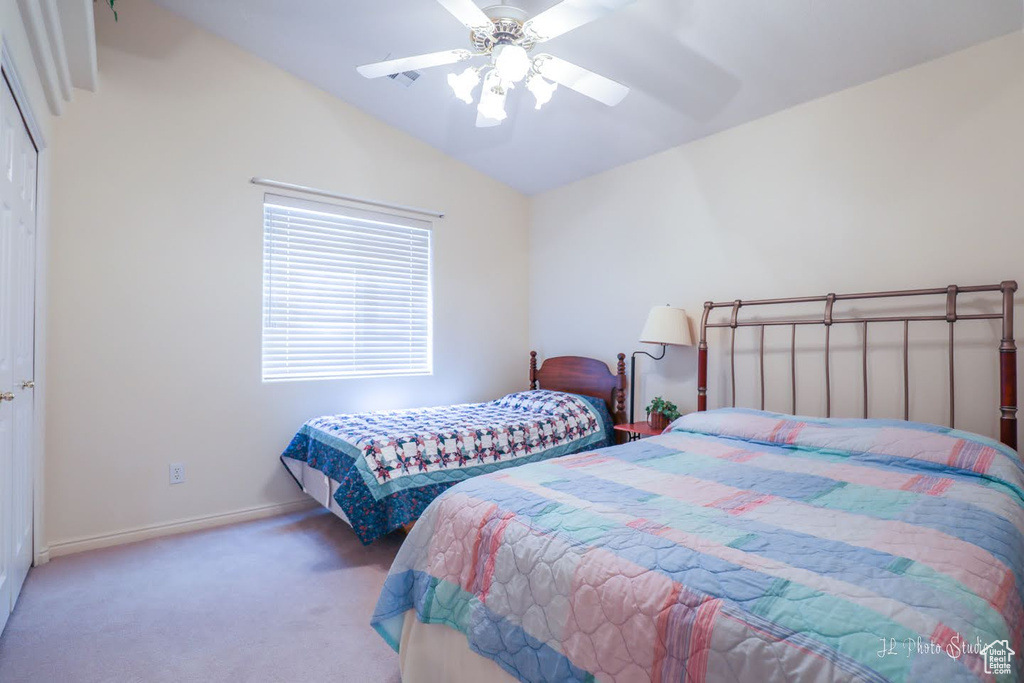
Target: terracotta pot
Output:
[{"x": 657, "y": 421}]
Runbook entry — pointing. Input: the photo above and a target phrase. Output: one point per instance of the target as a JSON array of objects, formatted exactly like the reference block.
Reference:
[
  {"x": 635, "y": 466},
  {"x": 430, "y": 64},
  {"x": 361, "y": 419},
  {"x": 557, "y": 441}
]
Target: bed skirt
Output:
[
  {"x": 316, "y": 485},
  {"x": 434, "y": 652}
]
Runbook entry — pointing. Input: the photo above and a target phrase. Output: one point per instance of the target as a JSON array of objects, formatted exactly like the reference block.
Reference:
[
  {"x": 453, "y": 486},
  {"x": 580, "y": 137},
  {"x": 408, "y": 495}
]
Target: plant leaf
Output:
[{"x": 110, "y": 4}]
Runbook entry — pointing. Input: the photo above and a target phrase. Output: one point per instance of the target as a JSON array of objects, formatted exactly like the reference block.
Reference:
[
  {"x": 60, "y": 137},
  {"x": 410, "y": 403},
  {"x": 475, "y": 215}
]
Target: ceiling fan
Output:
[{"x": 507, "y": 37}]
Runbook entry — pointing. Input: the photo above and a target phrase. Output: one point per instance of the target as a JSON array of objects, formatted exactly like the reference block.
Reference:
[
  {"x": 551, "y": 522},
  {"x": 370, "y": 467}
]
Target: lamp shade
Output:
[{"x": 667, "y": 325}]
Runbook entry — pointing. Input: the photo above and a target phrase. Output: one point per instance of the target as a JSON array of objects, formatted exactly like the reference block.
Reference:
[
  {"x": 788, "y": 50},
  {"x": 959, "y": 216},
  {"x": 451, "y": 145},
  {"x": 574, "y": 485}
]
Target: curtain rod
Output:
[{"x": 334, "y": 195}]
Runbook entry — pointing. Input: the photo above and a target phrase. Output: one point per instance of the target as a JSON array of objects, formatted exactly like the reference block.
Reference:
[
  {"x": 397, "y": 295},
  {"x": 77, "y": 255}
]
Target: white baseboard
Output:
[
  {"x": 42, "y": 556},
  {"x": 77, "y": 545}
]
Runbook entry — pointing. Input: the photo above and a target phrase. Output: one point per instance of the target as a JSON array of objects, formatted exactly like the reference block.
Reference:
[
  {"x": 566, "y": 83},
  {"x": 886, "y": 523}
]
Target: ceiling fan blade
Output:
[
  {"x": 468, "y": 13},
  {"x": 570, "y": 14},
  {"x": 394, "y": 66},
  {"x": 588, "y": 83}
]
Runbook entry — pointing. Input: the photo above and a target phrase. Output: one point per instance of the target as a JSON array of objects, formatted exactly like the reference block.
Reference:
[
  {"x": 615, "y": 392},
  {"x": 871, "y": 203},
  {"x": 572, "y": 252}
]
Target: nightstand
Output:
[{"x": 637, "y": 430}]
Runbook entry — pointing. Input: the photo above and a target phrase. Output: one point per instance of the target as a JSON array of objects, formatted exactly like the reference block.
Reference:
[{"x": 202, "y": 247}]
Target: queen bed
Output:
[
  {"x": 378, "y": 471},
  {"x": 740, "y": 545}
]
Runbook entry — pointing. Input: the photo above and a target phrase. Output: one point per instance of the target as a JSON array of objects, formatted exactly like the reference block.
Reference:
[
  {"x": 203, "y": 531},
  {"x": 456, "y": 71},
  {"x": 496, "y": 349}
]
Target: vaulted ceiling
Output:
[{"x": 695, "y": 67}]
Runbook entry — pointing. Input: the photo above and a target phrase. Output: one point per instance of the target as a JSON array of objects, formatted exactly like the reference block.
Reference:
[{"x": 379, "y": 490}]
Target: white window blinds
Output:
[{"x": 346, "y": 293}]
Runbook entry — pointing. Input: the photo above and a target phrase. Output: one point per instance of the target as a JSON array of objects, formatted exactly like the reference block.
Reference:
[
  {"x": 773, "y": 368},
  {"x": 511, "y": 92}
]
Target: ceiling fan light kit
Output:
[
  {"x": 506, "y": 37},
  {"x": 511, "y": 62},
  {"x": 492, "y": 100},
  {"x": 541, "y": 89},
  {"x": 465, "y": 83}
]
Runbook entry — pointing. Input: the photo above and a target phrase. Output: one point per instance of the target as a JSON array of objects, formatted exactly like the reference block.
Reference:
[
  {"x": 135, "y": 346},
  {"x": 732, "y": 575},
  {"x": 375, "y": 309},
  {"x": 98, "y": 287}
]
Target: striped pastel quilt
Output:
[{"x": 738, "y": 546}]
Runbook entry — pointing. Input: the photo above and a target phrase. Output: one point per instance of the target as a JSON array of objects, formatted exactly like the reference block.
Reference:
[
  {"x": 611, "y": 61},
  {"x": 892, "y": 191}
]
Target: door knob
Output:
[
  {"x": 28, "y": 384},
  {"x": 6, "y": 396}
]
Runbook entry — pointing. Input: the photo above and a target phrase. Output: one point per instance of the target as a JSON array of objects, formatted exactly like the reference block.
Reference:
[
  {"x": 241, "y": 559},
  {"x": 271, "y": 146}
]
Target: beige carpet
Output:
[{"x": 283, "y": 599}]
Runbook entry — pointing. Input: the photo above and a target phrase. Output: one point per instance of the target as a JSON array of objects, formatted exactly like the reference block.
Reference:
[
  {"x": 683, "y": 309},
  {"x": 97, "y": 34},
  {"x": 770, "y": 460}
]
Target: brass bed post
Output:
[
  {"x": 1008, "y": 370},
  {"x": 951, "y": 293},
  {"x": 762, "y": 367},
  {"x": 732, "y": 347},
  {"x": 830, "y": 301},
  {"x": 792, "y": 365},
  {"x": 906, "y": 369},
  {"x": 702, "y": 361},
  {"x": 864, "y": 368}
]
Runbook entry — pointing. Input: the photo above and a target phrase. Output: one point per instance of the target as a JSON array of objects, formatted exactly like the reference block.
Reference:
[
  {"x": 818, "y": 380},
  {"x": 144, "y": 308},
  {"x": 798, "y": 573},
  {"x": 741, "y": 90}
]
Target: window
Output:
[{"x": 346, "y": 293}]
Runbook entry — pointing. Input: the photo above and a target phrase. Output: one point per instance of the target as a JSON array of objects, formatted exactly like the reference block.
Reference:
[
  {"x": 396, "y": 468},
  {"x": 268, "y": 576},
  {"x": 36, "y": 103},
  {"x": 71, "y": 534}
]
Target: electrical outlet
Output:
[{"x": 177, "y": 473}]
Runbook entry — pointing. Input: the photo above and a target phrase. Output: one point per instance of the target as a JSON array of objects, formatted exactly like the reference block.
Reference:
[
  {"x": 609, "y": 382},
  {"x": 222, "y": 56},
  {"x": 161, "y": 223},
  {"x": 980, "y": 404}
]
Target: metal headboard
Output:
[{"x": 1007, "y": 348}]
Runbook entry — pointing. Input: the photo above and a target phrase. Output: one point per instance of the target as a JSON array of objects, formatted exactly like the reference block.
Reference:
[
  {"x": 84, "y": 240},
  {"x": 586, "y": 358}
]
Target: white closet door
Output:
[
  {"x": 6, "y": 564},
  {"x": 18, "y": 162},
  {"x": 23, "y": 311},
  {"x": 6, "y": 369}
]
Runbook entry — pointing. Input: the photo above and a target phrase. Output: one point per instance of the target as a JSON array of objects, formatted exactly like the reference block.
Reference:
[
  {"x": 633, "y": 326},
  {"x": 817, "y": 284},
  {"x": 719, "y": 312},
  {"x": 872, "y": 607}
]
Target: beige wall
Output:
[
  {"x": 155, "y": 313},
  {"x": 914, "y": 180}
]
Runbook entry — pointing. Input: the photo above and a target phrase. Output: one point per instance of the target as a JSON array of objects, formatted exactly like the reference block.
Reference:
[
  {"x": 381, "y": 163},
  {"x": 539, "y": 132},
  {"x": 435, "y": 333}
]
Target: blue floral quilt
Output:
[{"x": 391, "y": 464}]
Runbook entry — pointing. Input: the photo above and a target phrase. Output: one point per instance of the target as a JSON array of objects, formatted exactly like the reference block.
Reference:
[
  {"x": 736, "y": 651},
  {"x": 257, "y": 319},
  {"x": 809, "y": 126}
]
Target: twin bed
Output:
[
  {"x": 740, "y": 545},
  {"x": 379, "y": 471}
]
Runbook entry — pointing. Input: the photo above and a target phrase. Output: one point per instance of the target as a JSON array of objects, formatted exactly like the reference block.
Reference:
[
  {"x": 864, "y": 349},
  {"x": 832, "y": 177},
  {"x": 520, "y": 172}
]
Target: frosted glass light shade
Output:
[
  {"x": 511, "y": 62},
  {"x": 463, "y": 84},
  {"x": 542, "y": 90},
  {"x": 492, "y": 100},
  {"x": 667, "y": 325}
]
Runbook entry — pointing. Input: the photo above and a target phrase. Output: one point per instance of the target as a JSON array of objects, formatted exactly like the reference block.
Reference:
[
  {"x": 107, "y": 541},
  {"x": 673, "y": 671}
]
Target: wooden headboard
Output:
[
  {"x": 585, "y": 376},
  {"x": 1007, "y": 348}
]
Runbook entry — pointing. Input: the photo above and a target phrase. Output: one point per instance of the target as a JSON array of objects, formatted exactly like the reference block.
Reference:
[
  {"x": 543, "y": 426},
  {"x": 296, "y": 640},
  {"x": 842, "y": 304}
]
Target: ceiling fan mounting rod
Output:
[{"x": 503, "y": 11}]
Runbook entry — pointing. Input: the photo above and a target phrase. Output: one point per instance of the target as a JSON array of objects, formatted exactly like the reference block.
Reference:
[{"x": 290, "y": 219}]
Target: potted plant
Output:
[{"x": 660, "y": 413}]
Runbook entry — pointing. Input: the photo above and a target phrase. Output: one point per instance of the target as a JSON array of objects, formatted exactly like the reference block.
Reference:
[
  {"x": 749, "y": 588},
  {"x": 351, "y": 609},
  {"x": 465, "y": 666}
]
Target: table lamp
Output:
[{"x": 666, "y": 326}]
